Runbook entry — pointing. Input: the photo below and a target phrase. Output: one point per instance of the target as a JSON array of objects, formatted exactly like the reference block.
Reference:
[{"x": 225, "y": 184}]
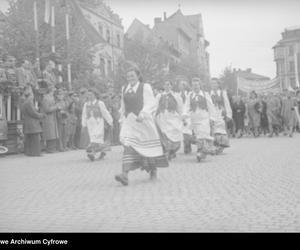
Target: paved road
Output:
[{"x": 253, "y": 186}]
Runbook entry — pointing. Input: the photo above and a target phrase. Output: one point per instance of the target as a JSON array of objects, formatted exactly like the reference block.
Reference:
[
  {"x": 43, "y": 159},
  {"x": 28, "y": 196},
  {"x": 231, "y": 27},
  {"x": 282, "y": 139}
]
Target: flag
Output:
[
  {"x": 89, "y": 29},
  {"x": 296, "y": 65},
  {"x": 47, "y": 11}
]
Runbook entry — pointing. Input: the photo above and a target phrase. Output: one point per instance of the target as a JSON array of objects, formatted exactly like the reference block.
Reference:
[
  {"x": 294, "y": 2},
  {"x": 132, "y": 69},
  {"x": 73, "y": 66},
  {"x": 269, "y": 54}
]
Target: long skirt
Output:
[
  {"x": 133, "y": 160},
  {"x": 204, "y": 146},
  {"x": 221, "y": 140},
  {"x": 32, "y": 144},
  {"x": 168, "y": 145}
]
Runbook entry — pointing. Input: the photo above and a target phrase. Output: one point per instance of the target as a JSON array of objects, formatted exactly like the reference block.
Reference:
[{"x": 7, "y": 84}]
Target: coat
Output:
[
  {"x": 238, "y": 113},
  {"x": 48, "y": 107},
  {"x": 32, "y": 118}
]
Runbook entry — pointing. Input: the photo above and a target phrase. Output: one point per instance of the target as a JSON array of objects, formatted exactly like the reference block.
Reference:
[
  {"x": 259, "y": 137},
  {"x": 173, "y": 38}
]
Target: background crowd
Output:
[{"x": 53, "y": 112}]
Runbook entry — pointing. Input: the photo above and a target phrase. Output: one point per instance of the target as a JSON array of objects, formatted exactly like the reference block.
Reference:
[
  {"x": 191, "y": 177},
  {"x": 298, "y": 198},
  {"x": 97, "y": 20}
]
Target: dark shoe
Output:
[
  {"x": 91, "y": 157},
  {"x": 122, "y": 178},
  {"x": 102, "y": 155}
]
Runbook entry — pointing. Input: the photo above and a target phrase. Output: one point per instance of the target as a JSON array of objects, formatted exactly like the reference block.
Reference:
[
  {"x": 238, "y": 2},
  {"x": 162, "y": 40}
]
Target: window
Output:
[
  {"x": 291, "y": 50},
  {"x": 100, "y": 28},
  {"x": 118, "y": 40},
  {"x": 293, "y": 82},
  {"x": 292, "y": 66},
  {"x": 102, "y": 66},
  {"x": 108, "y": 36},
  {"x": 109, "y": 66}
]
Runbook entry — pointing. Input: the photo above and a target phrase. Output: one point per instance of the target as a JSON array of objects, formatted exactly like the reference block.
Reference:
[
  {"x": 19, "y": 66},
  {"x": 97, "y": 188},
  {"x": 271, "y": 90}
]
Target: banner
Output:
[{"x": 259, "y": 86}]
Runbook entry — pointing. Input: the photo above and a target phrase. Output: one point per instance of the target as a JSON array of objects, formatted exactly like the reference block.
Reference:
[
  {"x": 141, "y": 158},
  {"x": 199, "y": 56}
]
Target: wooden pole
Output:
[
  {"x": 36, "y": 29},
  {"x": 68, "y": 47},
  {"x": 53, "y": 29}
]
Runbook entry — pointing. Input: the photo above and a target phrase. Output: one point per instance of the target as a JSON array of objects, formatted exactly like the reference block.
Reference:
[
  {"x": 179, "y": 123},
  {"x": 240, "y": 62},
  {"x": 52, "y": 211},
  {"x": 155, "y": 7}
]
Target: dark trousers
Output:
[
  {"x": 63, "y": 136},
  {"x": 32, "y": 144}
]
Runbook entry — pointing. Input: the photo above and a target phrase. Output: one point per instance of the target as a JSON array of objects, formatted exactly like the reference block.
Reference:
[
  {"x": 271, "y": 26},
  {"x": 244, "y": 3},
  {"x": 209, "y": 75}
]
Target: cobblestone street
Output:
[{"x": 254, "y": 186}]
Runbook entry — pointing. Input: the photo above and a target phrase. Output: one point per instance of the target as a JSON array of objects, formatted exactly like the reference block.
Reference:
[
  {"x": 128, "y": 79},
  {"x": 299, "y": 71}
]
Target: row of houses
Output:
[{"x": 184, "y": 37}]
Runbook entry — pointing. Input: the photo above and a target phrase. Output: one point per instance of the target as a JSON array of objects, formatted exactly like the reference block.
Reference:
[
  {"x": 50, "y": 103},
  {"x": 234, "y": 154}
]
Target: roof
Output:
[
  {"x": 292, "y": 28},
  {"x": 250, "y": 75}
]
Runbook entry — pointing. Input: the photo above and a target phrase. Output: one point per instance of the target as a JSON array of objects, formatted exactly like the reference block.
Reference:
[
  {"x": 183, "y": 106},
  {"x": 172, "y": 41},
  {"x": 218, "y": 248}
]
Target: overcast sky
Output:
[{"x": 241, "y": 33}]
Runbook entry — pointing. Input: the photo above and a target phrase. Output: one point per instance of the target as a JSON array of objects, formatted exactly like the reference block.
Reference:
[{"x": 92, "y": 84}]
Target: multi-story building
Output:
[
  {"x": 109, "y": 26},
  {"x": 2, "y": 23},
  {"x": 183, "y": 34},
  {"x": 287, "y": 58}
]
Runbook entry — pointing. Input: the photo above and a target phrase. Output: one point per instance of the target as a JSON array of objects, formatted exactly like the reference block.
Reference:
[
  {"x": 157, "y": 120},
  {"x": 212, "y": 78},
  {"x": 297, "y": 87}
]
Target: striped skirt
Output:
[{"x": 133, "y": 160}]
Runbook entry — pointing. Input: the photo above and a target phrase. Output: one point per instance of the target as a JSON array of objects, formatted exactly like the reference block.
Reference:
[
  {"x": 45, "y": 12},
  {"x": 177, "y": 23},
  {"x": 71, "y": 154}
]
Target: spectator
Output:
[
  {"x": 32, "y": 127},
  {"x": 50, "y": 129}
]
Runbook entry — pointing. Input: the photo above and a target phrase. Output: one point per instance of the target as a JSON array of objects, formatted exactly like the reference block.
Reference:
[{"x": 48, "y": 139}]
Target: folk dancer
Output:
[
  {"x": 93, "y": 115},
  {"x": 169, "y": 121},
  {"x": 187, "y": 131},
  {"x": 139, "y": 135},
  {"x": 222, "y": 113},
  {"x": 201, "y": 112}
]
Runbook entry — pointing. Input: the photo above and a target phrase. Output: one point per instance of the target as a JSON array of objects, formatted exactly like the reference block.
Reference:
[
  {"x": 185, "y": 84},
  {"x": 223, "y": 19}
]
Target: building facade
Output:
[
  {"x": 287, "y": 58},
  {"x": 109, "y": 26},
  {"x": 183, "y": 35}
]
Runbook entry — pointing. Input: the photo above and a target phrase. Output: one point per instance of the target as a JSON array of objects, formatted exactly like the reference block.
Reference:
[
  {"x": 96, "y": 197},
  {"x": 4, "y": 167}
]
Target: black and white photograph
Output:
[{"x": 164, "y": 116}]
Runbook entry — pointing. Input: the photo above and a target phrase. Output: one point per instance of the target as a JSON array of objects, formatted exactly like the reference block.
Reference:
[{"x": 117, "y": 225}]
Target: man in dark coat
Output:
[
  {"x": 50, "y": 129},
  {"x": 32, "y": 127}
]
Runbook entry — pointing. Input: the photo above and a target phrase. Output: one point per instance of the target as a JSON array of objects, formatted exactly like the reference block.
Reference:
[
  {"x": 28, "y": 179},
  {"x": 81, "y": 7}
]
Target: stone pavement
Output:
[{"x": 253, "y": 187}]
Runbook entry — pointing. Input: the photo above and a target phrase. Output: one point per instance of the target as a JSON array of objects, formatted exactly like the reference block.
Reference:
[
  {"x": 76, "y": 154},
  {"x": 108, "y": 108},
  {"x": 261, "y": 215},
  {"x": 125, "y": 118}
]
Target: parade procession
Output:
[{"x": 80, "y": 92}]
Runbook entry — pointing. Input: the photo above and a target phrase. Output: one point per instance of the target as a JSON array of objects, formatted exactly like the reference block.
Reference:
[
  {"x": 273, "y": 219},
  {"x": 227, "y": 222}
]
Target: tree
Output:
[
  {"x": 19, "y": 36},
  {"x": 228, "y": 80}
]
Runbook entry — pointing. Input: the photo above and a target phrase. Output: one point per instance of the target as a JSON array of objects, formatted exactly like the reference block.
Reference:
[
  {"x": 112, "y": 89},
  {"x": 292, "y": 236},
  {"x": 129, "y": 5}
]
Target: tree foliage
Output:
[
  {"x": 228, "y": 80},
  {"x": 19, "y": 36}
]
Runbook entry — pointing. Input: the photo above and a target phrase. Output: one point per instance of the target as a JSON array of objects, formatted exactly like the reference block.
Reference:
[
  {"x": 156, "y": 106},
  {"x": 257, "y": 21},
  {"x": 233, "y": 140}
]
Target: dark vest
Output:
[
  {"x": 218, "y": 100},
  {"x": 198, "y": 101},
  {"x": 95, "y": 109},
  {"x": 134, "y": 102},
  {"x": 167, "y": 102}
]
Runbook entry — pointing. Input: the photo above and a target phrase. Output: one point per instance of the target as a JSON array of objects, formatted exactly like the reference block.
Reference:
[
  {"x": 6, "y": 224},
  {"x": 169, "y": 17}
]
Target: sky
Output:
[{"x": 241, "y": 33}]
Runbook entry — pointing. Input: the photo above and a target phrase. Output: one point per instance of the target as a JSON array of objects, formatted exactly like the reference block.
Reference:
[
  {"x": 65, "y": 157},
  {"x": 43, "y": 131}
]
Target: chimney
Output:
[
  {"x": 157, "y": 20},
  {"x": 249, "y": 70},
  {"x": 165, "y": 16}
]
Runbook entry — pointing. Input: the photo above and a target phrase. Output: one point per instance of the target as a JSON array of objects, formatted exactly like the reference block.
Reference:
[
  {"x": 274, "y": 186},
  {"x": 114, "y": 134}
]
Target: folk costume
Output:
[
  {"x": 187, "y": 131},
  {"x": 222, "y": 113},
  {"x": 93, "y": 115},
  {"x": 169, "y": 121},
  {"x": 140, "y": 138},
  {"x": 201, "y": 112}
]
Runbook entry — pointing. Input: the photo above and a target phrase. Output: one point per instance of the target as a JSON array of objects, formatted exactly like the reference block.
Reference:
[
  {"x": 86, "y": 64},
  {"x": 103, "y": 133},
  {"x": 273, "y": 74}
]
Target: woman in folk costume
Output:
[
  {"x": 94, "y": 115},
  {"x": 187, "y": 132},
  {"x": 254, "y": 113},
  {"x": 169, "y": 121},
  {"x": 223, "y": 113},
  {"x": 139, "y": 135},
  {"x": 201, "y": 111}
]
